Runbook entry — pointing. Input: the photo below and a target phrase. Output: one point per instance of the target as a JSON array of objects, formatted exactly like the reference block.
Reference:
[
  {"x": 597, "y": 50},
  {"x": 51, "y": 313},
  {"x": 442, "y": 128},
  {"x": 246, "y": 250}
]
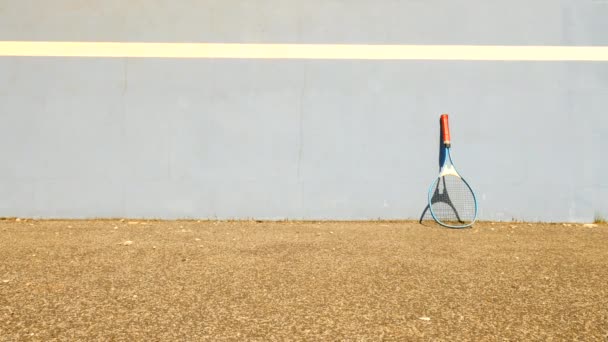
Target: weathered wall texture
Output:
[{"x": 300, "y": 139}]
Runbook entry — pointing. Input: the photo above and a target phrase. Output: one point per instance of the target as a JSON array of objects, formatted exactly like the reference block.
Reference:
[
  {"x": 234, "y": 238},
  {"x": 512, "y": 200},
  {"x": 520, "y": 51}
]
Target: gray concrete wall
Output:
[{"x": 300, "y": 139}]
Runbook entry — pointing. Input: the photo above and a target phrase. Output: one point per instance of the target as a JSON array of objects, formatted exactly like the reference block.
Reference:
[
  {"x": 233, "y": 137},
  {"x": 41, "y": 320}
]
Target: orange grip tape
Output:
[{"x": 445, "y": 130}]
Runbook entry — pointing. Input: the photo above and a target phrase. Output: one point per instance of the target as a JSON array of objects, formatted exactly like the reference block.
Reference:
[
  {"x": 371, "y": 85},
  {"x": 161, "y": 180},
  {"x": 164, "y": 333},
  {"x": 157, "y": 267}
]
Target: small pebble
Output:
[
  {"x": 590, "y": 225},
  {"x": 425, "y": 318}
]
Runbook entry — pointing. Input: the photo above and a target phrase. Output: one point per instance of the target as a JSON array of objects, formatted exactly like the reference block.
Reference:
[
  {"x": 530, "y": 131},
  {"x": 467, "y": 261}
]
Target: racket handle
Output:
[{"x": 445, "y": 130}]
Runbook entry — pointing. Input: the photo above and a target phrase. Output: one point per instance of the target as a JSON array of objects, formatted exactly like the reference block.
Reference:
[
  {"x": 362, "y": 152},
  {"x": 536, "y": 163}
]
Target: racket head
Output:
[{"x": 452, "y": 201}]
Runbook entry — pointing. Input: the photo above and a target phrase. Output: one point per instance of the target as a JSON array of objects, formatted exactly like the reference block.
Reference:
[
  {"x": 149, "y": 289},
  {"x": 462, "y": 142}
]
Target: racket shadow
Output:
[
  {"x": 441, "y": 203},
  {"x": 426, "y": 219}
]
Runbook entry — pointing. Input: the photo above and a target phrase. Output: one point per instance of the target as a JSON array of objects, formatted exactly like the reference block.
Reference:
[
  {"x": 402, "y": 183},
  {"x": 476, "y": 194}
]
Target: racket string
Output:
[{"x": 453, "y": 201}]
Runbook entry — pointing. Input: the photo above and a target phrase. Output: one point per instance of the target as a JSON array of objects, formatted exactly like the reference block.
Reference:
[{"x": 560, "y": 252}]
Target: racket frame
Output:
[{"x": 448, "y": 169}]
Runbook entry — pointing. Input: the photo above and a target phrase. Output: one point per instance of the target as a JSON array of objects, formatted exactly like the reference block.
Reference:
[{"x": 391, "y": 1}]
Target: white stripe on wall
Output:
[{"x": 306, "y": 51}]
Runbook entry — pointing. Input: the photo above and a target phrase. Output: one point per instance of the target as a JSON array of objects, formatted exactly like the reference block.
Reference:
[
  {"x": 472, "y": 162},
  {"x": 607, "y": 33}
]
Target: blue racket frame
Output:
[{"x": 444, "y": 158}]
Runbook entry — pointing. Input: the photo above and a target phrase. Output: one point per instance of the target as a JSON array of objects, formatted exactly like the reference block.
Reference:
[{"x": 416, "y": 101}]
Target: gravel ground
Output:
[{"x": 354, "y": 281}]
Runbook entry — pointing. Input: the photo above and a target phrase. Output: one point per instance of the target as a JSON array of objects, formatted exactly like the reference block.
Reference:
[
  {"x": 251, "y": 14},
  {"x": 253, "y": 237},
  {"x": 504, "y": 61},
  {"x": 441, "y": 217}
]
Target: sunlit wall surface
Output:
[{"x": 260, "y": 135}]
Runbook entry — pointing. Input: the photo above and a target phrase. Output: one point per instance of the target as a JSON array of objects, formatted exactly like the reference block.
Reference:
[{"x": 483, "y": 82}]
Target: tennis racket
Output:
[{"x": 452, "y": 202}]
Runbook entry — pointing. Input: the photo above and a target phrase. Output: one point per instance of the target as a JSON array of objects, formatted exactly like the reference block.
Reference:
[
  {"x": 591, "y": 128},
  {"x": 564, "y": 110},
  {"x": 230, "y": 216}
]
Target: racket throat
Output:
[{"x": 448, "y": 170}]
